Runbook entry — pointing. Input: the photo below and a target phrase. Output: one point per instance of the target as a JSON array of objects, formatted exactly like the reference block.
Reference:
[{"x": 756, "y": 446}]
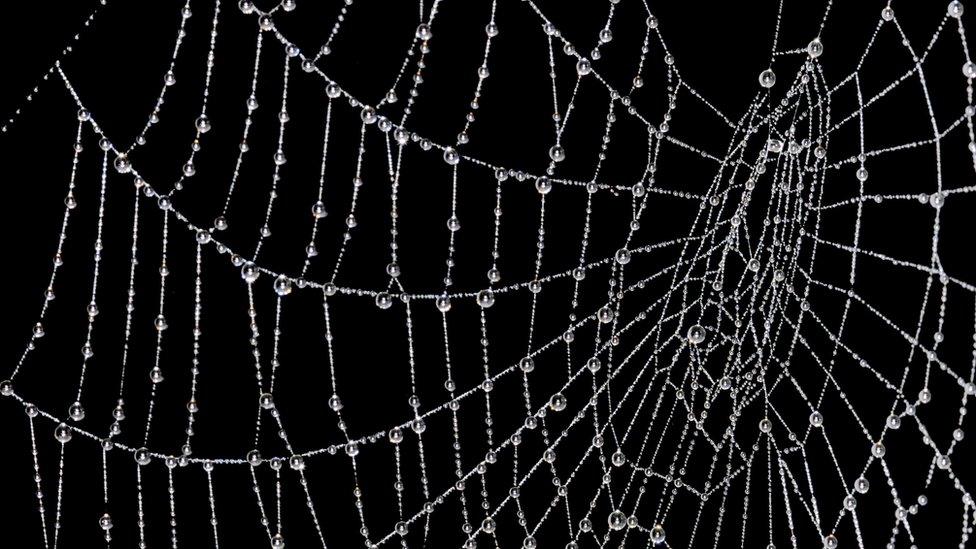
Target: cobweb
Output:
[{"x": 716, "y": 382}]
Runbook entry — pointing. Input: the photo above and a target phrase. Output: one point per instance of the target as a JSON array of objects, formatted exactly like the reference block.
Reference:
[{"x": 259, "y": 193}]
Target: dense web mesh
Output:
[{"x": 659, "y": 336}]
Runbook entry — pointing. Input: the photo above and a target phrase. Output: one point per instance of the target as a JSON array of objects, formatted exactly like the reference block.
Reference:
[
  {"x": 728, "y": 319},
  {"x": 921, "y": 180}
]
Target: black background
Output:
[{"x": 720, "y": 48}]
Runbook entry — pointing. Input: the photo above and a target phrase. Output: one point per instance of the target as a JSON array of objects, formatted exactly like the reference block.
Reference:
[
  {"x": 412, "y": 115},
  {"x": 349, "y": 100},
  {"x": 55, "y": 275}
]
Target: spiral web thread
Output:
[{"x": 718, "y": 328}]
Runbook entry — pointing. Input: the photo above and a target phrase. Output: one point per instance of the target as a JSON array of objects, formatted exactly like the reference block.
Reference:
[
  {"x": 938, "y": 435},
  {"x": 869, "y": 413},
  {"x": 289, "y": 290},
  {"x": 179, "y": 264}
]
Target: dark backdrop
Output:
[{"x": 720, "y": 46}]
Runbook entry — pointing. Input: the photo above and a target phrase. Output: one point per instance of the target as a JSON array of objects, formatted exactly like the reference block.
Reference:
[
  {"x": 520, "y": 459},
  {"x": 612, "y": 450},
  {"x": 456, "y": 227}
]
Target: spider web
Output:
[{"x": 616, "y": 378}]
